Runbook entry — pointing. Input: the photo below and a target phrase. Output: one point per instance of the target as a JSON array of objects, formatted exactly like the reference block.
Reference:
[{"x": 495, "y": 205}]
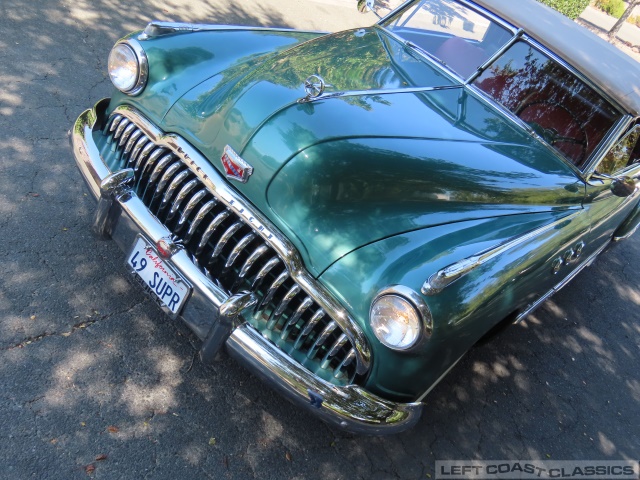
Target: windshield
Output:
[
  {"x": 567, "y": 113},
  {"x": 457, "y": 36}
]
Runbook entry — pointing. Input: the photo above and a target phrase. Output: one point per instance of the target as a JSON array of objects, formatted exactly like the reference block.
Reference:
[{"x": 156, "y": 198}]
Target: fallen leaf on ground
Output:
[
  {"x": 113, "y": 429},
  {"x": 82, "y": 424},
  {"x": 287, "y": 455},
  {"x": 32, "y": 317},
  {"x": 90, "y": 468},
  {"x": 102, "y": 456},
  {"x": 212, "y": 441}
]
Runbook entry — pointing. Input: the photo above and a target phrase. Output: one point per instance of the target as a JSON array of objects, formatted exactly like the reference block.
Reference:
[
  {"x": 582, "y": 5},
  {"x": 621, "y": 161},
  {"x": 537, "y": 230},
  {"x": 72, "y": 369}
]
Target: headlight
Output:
[
  {"x": 128, "y": 67},
  {"x": 399, "y": 318}
]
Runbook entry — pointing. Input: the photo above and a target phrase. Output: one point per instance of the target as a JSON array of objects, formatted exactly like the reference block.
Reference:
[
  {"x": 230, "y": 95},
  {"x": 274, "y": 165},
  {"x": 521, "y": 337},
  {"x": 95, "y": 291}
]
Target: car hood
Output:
[
  {"x": 342, "y": 172},
  {"x": 236, "y": 102}
]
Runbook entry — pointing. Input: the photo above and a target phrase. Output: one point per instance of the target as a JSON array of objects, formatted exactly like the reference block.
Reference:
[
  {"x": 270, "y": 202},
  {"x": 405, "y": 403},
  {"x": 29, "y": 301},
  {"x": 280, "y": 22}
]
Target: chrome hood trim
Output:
[{"x": 156, "y": 28}]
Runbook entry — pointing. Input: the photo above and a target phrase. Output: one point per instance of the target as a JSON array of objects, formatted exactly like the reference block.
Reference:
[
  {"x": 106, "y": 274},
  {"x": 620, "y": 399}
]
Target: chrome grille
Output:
[{"x": 231, "y": 253}]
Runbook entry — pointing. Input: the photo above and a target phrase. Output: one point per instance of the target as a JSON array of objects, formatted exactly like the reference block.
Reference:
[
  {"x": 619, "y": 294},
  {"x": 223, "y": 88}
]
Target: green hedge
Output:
[
  {"x": 571, "y": 8},
  {"x": 613, "y": 7}
]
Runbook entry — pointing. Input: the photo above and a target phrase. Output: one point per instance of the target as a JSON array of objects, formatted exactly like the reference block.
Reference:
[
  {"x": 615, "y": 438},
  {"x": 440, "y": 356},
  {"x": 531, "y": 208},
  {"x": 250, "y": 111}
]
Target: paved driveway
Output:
[{"x": 94, "y": 380}]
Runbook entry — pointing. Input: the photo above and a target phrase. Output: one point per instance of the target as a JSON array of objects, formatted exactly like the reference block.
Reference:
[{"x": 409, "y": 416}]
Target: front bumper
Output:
[{"x": 123, "y": 216}]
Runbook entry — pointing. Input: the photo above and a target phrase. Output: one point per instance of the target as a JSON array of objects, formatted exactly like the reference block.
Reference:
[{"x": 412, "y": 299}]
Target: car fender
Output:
[{"x": 520, "y": 272}]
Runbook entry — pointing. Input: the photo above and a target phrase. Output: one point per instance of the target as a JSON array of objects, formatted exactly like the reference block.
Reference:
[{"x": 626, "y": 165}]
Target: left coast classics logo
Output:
[{"x": 234, "y": 166}]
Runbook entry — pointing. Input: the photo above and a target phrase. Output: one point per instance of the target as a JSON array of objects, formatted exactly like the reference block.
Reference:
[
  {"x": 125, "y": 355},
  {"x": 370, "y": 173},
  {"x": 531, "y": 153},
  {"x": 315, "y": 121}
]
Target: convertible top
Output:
[{"x": 612, "y": 70}]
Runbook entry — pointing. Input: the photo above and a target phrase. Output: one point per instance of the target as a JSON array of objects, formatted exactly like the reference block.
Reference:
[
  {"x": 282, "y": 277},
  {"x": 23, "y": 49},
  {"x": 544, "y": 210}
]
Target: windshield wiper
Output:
[{"x": 410, "y": 44}]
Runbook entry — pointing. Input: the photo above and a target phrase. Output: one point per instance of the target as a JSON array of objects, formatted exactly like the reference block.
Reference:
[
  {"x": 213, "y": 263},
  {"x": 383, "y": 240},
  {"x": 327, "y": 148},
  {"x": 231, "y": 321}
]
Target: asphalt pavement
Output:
[
  {"x": 600, "y": 23},
  {"x": 96, "y": 382}
]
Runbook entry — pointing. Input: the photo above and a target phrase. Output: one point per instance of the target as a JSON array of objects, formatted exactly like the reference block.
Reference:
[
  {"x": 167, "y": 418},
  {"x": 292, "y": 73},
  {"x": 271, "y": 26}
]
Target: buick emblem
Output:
[
  {"x": 168, "y": 246},
  {"x": 234, "y": 166}
]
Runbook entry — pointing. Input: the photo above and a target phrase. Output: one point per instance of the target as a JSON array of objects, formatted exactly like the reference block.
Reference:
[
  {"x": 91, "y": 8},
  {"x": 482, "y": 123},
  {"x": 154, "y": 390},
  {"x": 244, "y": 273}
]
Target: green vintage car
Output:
[{"x": 347, "y": 214}]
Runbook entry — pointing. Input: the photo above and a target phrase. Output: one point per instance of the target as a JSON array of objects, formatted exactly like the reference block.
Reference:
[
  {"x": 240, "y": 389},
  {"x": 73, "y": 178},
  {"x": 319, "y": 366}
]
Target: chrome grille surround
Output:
[{"x": 235, "y": 246}]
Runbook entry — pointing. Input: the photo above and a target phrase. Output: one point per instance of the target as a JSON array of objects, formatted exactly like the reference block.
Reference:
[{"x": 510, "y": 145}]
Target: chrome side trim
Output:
[
  {"x": 157, "y": 29},
  {"x": 560, "y": 285},
  {"x": 445, "y": 277},
  {"x": 351, "y": 407}
]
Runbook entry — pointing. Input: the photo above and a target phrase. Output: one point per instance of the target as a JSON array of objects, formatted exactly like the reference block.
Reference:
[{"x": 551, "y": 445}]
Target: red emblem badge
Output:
[
  {"x": 168, "y": 246},
  {"x": 234, "y": 166}
]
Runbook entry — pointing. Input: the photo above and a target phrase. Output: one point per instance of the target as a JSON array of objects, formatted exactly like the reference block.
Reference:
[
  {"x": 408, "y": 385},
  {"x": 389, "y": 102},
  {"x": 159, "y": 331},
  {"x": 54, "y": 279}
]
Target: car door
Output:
[{"x": 613, "y": 189}]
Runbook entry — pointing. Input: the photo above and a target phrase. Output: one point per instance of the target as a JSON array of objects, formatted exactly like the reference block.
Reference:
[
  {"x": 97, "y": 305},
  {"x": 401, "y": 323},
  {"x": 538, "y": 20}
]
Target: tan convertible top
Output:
[{"x": 609, "y": 68}]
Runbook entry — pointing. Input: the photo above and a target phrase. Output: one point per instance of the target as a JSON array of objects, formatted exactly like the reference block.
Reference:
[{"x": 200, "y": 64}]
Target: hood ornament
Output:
[
  {"x": 313, "y": 87},
  {"x": 235, "y": 167}
]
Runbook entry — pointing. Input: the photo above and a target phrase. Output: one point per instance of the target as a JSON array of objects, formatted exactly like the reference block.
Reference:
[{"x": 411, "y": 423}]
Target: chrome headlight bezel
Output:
[
  {"x": 142, "y": 66},
  {"x": 412, "y": 300}
]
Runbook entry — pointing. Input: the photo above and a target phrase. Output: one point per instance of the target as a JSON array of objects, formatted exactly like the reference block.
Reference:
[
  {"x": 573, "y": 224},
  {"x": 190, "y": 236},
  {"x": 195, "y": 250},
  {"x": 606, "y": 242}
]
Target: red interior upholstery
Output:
[{"x": 461, "y": 56}]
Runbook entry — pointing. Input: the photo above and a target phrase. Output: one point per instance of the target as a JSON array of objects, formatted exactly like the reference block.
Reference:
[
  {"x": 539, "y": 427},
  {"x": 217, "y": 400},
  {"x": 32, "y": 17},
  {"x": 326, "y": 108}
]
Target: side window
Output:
[{"x": 625, "y": 153}]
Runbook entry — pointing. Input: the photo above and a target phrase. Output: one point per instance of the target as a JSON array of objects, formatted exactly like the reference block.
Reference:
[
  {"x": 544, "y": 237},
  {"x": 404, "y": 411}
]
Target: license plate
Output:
[{"x": 157, "y": 276}]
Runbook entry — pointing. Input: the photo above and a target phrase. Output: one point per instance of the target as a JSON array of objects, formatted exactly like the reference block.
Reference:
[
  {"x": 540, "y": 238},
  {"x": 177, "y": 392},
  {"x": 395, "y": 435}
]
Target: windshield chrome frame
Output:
[
  {"x": 472, "y": 6},
  {"x": 516, "y": 33}
]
